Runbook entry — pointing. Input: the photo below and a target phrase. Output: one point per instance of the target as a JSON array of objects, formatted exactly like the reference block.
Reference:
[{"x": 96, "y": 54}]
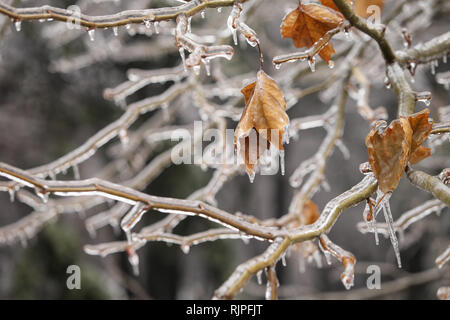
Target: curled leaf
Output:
[
  {"x": 308, "y": 23},
  {"x": 263, "y": 120},
  {"x": 390, "y": 150}
]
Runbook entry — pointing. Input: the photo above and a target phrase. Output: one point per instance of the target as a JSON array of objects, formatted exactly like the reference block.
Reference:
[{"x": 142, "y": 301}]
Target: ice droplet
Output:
[
  {"x": 183, "y": 58},
  {"x": 251, "y": 176},
  {"x": 18, "y": 25},
  {"x": 387, "y": 82},
  {"x": 91, "y": 33},
  {"x": 185, "y": 248},
  {"x": 331, "y": 64},
  {"x": 133, "y": 259},
  {"x": 116, "y": 31},
  {"x": 278, "y": 66},
  {"x": 196, "y": 70},
  {"x": 76, "y": 172},
  {"x": 259, "y": 277},
  {"x": 283, "y": 259},
  {"x": 219, "y": 9},
  {"x": 203, "y": 14},
  {"x": 207, "y": 67},
  {"x": 123, "y": 134},
  {"x": 424, "y": 97},
  {"x": 312, "y": 64},
  {"x": 347, "y": 280},
  {"x": 234, "y": 33},
  {"x": 41, "y": 193},
  {"x": 12, "y": 193},
  {"x": 282, "y": 162},
  {"x": 148, "y": 24}
]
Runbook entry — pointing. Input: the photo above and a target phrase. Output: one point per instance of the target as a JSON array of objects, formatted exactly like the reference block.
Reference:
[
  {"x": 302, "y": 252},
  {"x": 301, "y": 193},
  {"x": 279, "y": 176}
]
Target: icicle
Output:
[
  {"x": 91, "y": 33},
  {"x": 183, "y": 58},
  {"x": 283, "y": 259},
  {"x": 165, "y": 110},
  {"x": 259, "y": 277},
  {"x": 41, "y": 193},
  {"x": 424, "y": 97},
  {"x": 347, "y": 34},
  {"x": 18, "y": 25},
  {"x": 235, "y": 38},
  {"x": 196, "y": 70},
  {"x": 268, "y": 294},
  {"x": 133, "y": 259},
  {"x": 444, "y": 58},
  {"x": 390, "y": 223},
  {"x": 52, "y": 175},
  {"x": 185, "y": 248},
  {"x": 76, "y": 172},
  {"x": 282, "y": 162},
  {"x": 123, "y": 134},
  {"x": 12, "y": 193},
  {"x": 251, "y": 176},
  {"x": 387, "y": 82},
  {"x": 433, "y": 65},
  {"x": 156, "y": 26},
  {"x": 347, "y": 280},
  {"x": 312, "y": 64},
  {"x": 331, "y": 64},
  {"x": 207, "y": 67},
  {"x": 116, "y": 31}
]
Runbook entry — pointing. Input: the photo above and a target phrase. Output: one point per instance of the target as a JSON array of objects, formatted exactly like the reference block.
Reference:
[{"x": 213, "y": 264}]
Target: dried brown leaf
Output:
[
  {"x": 389, "y": 152},
  {"x": 264, "y": 115},
  {"x": 308, "y": 23}
]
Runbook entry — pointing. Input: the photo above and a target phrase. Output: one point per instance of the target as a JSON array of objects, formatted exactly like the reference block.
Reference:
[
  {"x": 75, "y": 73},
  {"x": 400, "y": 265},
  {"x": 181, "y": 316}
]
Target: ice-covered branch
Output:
[
  {"x": 243, "y": 272},
  {"x": 432, "y": 184},
  {"x": 362, "y": 25},
  {"x": 123, "y": 18},
  {"x": 309, "y": 55},
  {"x": 443, "y": 258},
  {"x": 436, "y": 48},
  {"x": 347, "y": 259},
  {"x": 406, "y": 219}
]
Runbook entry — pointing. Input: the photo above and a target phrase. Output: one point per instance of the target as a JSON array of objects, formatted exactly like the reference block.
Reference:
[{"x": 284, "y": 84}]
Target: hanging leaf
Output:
[
  {"x": 391, "y": 150},
  {"x": 264, "y": 119},
  {"x": 308, "y": 23}
]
